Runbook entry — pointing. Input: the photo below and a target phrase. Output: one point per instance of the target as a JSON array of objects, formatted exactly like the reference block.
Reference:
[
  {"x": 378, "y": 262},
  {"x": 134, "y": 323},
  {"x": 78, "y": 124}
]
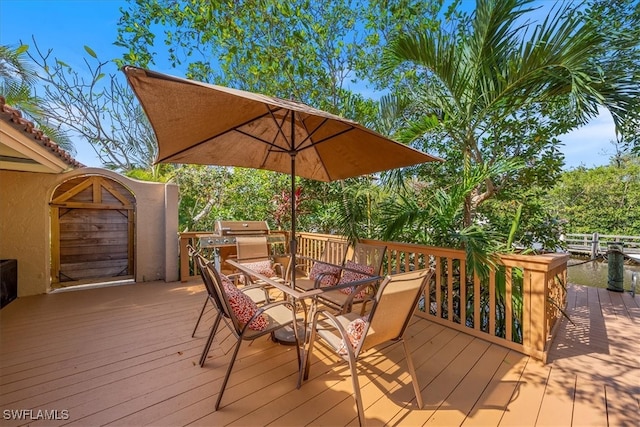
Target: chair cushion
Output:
[
  {"x": 262, "y": 267},
  {"x": 331, "y": 276},
  {"x": 243, "y": 307},
  {"x": 362, "y": 272},
  {"x": 354, "y": 330}
]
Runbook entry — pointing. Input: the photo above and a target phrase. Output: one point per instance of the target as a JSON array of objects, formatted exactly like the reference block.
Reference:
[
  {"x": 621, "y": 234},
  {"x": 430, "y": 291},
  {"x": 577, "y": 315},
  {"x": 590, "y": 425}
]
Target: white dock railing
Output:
[{"x": 596, "y": 244}]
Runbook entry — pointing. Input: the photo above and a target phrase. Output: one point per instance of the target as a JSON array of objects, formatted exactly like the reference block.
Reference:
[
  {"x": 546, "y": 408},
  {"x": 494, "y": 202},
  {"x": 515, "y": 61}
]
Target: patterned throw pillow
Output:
[
  {"x": 243, "y": 307},
  {"x": 362, "y": 272},
  {"x": 355, "y": 329},
  {"x": 262, "y": 267},
  {"x": 331, "y": 276}
]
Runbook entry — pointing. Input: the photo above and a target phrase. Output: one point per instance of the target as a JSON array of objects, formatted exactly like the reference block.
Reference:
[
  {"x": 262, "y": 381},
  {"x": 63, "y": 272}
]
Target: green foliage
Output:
[
  {"x": 434, "y": 217},
  {"x": 473, "y": 87},
  {"x": 533, "y": 217},
  {"x": 18, "y": 79},
  {"x": 619, "y": 58},
  {"x": 320, "y": 53},
  {"x": 604, "y": 199},
  {"x": 157, "y": 173},
  {"x": 494, "y": 85},
  {"x": 210, "y": 193}
]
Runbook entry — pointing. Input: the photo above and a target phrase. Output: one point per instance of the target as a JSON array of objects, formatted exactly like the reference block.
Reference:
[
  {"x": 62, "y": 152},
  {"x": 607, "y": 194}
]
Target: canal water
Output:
[{"x": 595, "y": 273}]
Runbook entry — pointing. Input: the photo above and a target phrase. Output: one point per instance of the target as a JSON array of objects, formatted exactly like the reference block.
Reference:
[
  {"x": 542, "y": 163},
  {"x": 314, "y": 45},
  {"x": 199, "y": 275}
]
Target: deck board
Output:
[
  {"x": 527, "y": 396},
  {"x": 497, "y": 396},
  {"x": 556, "y": 407},
  {"x": 124, "y": 356},
  {"x": 589, "y": 406},
  {"x": 464, "y": 397}
]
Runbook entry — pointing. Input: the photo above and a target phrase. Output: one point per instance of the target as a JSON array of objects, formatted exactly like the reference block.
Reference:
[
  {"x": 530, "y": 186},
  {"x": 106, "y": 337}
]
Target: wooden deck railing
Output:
[{"x": 516, "y": 306}]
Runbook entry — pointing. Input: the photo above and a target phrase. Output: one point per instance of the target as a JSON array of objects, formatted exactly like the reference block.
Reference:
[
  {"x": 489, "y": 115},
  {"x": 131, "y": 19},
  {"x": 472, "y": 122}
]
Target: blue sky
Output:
[{"x": 67, "y": 25}]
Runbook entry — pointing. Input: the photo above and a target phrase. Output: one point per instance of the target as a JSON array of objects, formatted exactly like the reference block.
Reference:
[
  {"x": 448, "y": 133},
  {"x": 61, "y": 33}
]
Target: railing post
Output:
[
  {"x": 595, "y": 246},
  {"x": 184, "y": 258},
  {"x": 185, "y": 239},
  {"x": 543, "y": 297},
  {"x": 538, "y": 310}
]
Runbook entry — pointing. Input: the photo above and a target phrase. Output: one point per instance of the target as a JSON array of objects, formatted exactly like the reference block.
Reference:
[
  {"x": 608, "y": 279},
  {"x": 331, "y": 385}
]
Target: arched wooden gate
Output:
[{"x": 92, "y": 231}]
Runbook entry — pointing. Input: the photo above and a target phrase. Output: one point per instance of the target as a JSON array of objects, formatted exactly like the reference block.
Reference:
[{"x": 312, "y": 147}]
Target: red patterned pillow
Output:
[
  {"x": 331, "y": 273},
  {"x": 362, "y": 272},
  {"x": 355, "y": 329},
  {"x": 243, "y": 307},
  {"x": 262, "y": 267},
  {"x": 226, "y": 281}
]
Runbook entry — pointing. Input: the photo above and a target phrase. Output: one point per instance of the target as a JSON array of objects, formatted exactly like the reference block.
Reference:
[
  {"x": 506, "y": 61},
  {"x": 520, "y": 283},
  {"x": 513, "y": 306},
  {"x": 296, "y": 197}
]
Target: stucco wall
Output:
[{"x": 25, "y": 226}]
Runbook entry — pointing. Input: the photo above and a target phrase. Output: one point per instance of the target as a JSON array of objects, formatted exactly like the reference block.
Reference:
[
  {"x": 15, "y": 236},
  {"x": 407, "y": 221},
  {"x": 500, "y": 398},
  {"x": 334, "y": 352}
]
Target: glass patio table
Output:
[{"x": 283, "y": 336}]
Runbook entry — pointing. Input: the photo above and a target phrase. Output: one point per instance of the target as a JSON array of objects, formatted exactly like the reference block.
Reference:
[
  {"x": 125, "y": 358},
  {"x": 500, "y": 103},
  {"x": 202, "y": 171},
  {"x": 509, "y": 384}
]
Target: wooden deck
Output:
[{"x": 124, "y": 356}]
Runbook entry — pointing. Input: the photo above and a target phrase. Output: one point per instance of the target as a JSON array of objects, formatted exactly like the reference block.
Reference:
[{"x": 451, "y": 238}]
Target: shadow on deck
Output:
[{"x": 124, "y": 356}]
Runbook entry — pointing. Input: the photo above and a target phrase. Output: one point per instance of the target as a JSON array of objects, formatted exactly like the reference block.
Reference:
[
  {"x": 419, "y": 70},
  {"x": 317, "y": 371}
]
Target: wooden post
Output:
[
  {"x": 595, "y": 246},
  {"x": 184, "y": 258}
]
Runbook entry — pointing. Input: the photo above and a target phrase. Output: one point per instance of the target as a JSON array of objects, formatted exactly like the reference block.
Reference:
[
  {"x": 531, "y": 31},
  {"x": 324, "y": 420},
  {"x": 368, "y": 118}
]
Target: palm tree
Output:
[
  {"x": 17, "y": 81},
  {"x": 477, "y": 75},
  {"x": 17, "y": 77}
]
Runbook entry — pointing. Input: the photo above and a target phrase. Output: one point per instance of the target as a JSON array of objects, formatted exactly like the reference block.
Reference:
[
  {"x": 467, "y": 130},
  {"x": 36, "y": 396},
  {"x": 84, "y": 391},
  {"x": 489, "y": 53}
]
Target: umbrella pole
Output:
[
  {"x": 293, "y": 244},
  {"x": 288, "y": 336}
]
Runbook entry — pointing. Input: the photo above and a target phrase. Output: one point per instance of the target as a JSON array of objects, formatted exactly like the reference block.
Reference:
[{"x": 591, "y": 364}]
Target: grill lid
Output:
[{"x": 238, "y": 228}]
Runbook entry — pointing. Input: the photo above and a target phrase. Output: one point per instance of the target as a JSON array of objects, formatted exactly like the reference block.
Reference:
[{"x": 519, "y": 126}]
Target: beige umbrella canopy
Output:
[{"x": 199, "y": 123}]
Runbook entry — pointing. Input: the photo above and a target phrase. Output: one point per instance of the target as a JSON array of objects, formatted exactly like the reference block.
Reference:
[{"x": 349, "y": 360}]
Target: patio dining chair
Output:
[
  {"x": 257, "y": 294},
  {"x": 247, "y": 321},
  {"x": 254, "y": 251},
  {"x": 325, "y": 270},
  {"x": 211, "y": 297},
  {"x": 364, "y": 263},
  {"x": 350, "y": 335}
]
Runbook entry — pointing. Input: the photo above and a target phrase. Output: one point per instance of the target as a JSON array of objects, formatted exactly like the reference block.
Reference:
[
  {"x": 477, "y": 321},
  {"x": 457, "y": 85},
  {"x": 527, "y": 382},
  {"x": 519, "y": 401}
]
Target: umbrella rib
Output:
[
  {"x": 279, "y": 126},
  {"x": 309, "y": 134},
  {"x": 320, "y": 141},
  {"x": 236, "y": 128},
  {"x": 273, "y": 146}
]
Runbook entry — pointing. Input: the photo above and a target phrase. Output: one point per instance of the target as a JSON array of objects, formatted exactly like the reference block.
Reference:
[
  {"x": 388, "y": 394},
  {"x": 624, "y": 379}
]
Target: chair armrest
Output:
[
  {"x": 348, "y": 304},
  {"x": 264, "y": 287},
  {"x": 368, "y": 299},
  {"x": 317, "y": 284},
  {"x": 358, "y": 286},
  {"x": 280, "y": 269}
]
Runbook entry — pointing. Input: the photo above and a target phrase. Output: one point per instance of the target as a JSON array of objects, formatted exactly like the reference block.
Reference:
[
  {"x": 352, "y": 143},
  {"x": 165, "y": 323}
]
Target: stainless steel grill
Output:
[
  {"x": 225, "y": 232},
  {"x": 223, "y": 240}
]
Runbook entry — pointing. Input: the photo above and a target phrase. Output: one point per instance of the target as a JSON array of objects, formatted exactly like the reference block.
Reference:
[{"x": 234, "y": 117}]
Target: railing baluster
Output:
[
  {"x": 463, "y": 292},
  {"x": 492, "y": 302},
  {"x": 508, "y": 309},
  {"x": 477, "y": 315},
  {"x": 438, "y": 287}
]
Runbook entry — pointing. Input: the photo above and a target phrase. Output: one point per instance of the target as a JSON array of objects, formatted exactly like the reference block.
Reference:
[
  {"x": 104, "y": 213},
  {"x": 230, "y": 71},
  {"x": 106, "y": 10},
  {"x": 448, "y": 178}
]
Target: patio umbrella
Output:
[{"x": 200, "y": 123}]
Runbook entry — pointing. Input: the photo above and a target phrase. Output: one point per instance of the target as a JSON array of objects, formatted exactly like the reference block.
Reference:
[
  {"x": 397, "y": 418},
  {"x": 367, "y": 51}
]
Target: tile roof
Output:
[{"x": 14, "y": 117}]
